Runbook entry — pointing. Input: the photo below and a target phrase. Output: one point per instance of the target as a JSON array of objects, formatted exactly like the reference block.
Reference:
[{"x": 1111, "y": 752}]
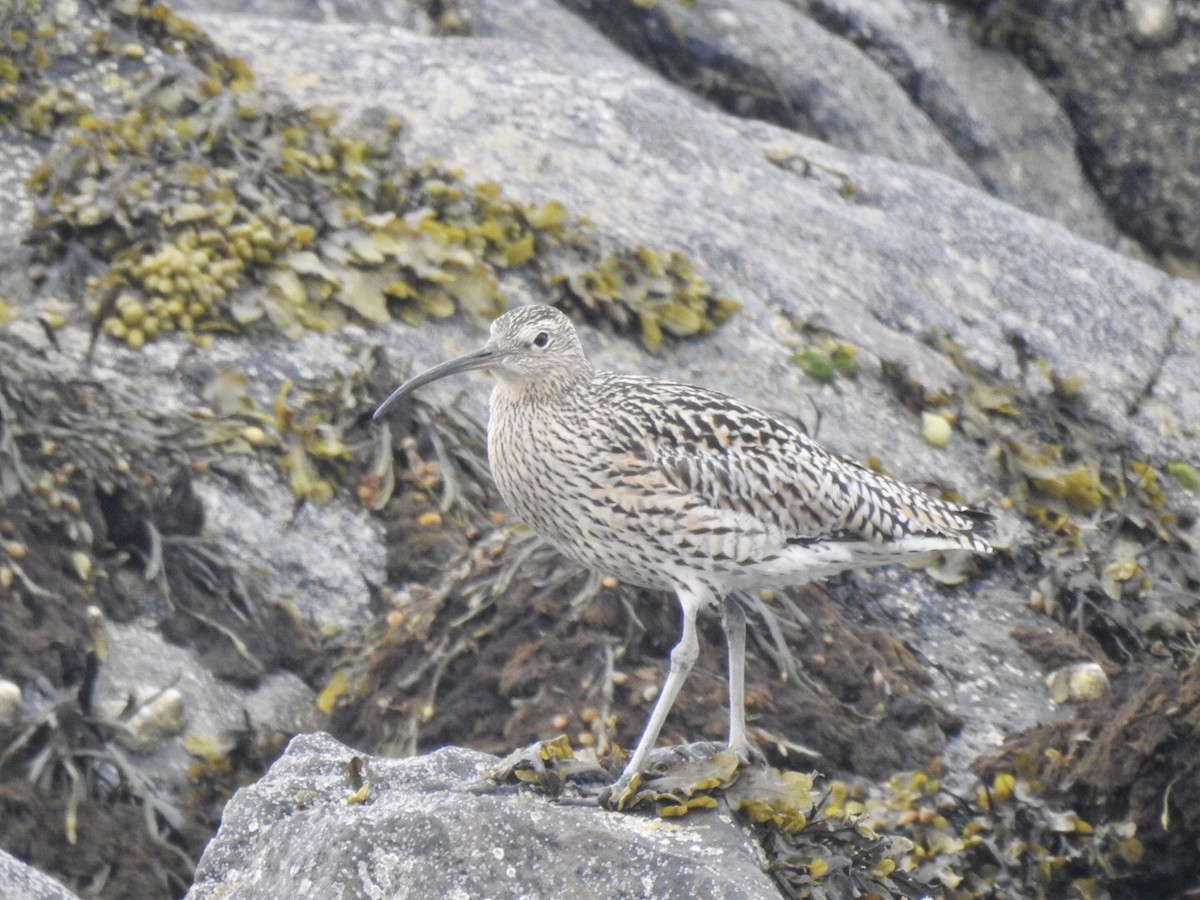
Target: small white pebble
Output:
[
  {"x": 1152, "y": 20},
  {"x": 936, "y": 429},
  {"x": 10, "y": 704},
  {"x": 1078, "y": 681},
  {"x": 154, "y": 720}
]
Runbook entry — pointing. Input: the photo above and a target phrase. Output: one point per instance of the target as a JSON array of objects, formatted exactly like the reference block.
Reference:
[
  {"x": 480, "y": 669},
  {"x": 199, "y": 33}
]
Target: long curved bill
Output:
[{"x": 480, "y": 359}]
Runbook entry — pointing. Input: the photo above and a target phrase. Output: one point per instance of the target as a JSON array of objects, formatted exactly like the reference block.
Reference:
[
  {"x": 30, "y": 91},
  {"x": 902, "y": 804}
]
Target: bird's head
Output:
[{"x": 530, "y": 343}]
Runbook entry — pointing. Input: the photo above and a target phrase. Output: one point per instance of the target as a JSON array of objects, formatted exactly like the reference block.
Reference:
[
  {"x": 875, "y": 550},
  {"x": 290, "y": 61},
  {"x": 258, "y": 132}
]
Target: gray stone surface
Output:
[
  {"x": 902, "y": 79},
  {"x": 1002, "y": 123},
  {"x": 1129, "y": 76},
  {"x": 432, "y": 827},
  {"x": 19, "y": 881}
]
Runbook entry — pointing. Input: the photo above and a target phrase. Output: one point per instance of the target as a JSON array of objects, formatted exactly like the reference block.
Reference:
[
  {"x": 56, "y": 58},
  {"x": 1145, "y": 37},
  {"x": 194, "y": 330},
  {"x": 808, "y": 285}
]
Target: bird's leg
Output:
[
  {"x": 733, "y": 617},
  {"x": 682, "y": 658}
]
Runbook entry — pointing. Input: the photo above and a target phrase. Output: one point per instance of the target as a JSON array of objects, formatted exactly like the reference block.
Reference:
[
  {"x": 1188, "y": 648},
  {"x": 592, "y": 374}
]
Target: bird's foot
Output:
[
  {"x": 748, "y": 754},
  {"x": 622, "y": 793},
  {"x": 674, "y": 774}
]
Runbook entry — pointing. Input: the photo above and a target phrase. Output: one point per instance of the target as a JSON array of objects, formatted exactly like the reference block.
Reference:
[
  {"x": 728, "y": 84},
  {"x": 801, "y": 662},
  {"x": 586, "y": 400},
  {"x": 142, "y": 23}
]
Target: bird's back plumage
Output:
[{"x": 658, "y": 482}]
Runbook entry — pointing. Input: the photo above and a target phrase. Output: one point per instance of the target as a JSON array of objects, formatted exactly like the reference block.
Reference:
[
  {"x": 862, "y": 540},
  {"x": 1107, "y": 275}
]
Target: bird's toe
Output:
[
  {"x": 622, "y": 793},
  {"x": 748, "y": 754}
]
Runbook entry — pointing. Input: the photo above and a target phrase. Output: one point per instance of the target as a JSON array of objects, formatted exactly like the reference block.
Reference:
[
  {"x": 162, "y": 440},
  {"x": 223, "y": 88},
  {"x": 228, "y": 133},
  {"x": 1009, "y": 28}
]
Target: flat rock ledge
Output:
[{"x": 431, "y": 826}]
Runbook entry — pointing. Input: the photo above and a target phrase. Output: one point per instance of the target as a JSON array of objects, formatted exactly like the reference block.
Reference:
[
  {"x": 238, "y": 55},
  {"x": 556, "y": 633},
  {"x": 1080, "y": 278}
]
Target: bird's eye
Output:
[{"x": 541, "y": 340}]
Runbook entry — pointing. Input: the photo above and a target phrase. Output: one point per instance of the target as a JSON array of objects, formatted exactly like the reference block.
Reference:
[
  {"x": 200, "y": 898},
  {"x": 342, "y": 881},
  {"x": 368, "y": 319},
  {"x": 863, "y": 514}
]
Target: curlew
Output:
[{"x": 677, "y": 487}]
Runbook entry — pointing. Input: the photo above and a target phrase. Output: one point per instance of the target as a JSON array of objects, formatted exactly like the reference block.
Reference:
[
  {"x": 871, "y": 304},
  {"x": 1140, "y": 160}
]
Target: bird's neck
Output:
[{"x": 542, "y": 391}]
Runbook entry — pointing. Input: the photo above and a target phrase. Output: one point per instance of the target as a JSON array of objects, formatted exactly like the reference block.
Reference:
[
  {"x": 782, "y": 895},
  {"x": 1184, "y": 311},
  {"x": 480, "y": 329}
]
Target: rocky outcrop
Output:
[{"x": 433, "y": 827}]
